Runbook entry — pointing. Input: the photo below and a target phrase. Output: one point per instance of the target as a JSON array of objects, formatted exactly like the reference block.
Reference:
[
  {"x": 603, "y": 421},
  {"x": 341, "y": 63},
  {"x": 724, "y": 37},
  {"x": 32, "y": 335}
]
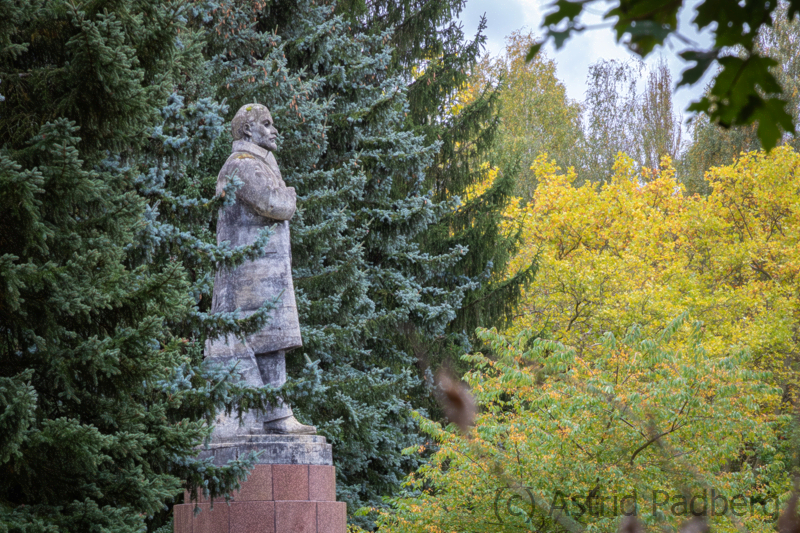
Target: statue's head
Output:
[{"x": 253, "y": 123}]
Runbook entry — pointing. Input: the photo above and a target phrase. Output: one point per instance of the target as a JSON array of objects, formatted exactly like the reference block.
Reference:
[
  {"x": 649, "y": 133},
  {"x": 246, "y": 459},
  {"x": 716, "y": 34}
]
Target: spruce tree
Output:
[
  {"x": 104, "y": 396},
  {"x": 113, "y": 129},
  {"x": 360, "y": 277},
  {"x": 435, "y": 58},
  {"x": 384, "y": 263}
]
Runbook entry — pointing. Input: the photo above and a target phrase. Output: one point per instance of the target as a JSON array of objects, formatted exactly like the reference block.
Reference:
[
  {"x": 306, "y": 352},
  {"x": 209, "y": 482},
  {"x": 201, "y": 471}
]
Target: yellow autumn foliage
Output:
[
  {"x": 638, "y": 424},
  {"x": 647, "y": 369},
  {"x": 636, "y": 250}
]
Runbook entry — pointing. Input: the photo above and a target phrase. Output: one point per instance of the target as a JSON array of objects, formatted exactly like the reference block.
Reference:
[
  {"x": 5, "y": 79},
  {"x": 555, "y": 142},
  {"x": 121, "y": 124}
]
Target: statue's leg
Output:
[
  {"x": 279, "y": 419},
  {"x": 229, "y": 351},
  {"x": 272, "y": 366}
]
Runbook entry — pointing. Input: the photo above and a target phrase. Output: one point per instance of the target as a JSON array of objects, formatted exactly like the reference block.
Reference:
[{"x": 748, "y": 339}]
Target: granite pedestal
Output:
[{"x": 292, "y": 489}]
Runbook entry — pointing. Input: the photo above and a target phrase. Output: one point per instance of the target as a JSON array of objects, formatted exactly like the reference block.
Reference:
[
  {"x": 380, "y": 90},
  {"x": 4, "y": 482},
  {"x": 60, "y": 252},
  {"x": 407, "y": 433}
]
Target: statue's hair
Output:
[{"x": 247, "y": 114}]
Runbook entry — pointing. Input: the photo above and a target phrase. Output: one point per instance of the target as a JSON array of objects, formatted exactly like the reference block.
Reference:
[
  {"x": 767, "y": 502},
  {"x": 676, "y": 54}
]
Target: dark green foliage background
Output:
[
  {"x": 113, "y": 125},
  {"x": 104, "y": 395}
]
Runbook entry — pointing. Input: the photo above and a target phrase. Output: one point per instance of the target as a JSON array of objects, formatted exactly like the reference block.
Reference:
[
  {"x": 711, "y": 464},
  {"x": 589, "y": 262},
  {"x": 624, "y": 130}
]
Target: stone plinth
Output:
[
  {"x": 275, "y": 449},
  {"x": 292, "y": 489},
  {"x": 276, "y": 498}
]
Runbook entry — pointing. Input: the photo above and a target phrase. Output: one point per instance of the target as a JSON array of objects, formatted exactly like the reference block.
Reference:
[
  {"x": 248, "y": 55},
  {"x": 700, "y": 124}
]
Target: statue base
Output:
[
  {"x": 275, "y": 449},
  {"x": 292, "y": 489}
]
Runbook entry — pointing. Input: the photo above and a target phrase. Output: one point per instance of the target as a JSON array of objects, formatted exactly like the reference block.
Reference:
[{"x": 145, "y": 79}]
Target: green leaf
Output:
[
  {"x": 648, "y": 9},
  {"x": 701, "y": 106},
  {"x": 532, "y": 51},
  {"x": 739, "y": 86},
  {"x": 710, "y": 12},
  {"x": 559, "y": 37},
  {"x": 770, "y": 115},
  {"x": 703, "y": 61},
  {"x": 564, "y": 9},
  {"x": 649, "y": 28}
]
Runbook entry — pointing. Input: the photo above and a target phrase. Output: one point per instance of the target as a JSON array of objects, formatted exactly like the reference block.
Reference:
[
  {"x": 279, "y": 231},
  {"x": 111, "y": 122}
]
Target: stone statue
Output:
[{"x": 263, "y": 200}]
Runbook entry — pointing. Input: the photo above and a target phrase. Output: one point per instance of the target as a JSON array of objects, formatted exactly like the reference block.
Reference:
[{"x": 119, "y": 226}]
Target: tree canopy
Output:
[
  {"x": 656, "y": 351},
  {"x": 745, "y": 91},
  {"x": 113, "y": 128}
]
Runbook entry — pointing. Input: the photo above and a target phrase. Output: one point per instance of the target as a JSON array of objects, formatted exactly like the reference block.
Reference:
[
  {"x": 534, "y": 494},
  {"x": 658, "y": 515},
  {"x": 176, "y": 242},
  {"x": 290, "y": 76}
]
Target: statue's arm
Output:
[{"x": 264, "y": 196}]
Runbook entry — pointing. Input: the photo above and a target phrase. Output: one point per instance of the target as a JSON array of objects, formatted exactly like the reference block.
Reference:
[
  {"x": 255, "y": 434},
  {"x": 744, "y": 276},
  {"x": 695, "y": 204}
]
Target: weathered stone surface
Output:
[
  {"x": 321, "y": 483},
  {"x": 272, "y": 368},
  {"x": 182, "y": 518},
  {"x": 296, "y": 517},
  {"x": 331, "y": 517},
  {"x": 293, "y": 472},
  {"x": 252, "y": 517},
  {"x": 212, "y": 520},
  {"x": 258, "y": 486},
  {"x": 275, "y": 449},
  {"x": 262, "y": 201},
  {"x": 290, "y": 482}
]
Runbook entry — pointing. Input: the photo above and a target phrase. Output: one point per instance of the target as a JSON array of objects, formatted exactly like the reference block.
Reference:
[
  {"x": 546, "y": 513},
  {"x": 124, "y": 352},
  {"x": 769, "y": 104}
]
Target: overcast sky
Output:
[{"x": 573, "y": 60}]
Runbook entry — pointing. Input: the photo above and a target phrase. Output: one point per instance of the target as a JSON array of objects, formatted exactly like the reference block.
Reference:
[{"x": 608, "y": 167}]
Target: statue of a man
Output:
[{"x": 263, "y": 200}]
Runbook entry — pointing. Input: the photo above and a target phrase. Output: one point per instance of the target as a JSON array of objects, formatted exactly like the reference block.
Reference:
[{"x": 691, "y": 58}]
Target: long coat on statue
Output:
[{"x": 262, "y": 201}]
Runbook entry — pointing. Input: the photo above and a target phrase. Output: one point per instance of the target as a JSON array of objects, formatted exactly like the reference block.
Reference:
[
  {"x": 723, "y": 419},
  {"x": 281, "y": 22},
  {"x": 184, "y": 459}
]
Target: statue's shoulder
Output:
[
  {"x": 243, "y": 165},
  {"x": 243, "y": 158},
  {"x": 241, "y": 162}
]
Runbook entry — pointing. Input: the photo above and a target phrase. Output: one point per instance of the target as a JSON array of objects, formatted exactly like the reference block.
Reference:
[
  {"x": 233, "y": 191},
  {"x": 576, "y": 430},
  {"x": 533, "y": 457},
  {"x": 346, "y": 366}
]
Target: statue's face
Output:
[{"x": 262, "y": 132}]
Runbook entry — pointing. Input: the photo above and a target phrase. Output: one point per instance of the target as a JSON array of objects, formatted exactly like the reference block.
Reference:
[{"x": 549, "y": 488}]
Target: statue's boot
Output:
[
  {"x": 279, "y": 419},
  {"x": 288, "y": 426}
]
